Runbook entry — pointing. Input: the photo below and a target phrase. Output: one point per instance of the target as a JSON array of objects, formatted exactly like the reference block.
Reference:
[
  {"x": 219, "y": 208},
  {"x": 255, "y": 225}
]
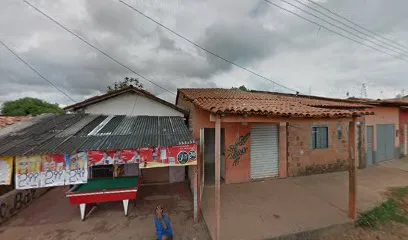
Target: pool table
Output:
[{"x": 104, "y": 190}]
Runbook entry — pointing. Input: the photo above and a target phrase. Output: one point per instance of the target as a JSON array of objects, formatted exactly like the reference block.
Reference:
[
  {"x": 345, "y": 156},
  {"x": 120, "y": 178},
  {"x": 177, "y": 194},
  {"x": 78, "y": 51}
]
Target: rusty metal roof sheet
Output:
[{"x": 76, "y": 132}]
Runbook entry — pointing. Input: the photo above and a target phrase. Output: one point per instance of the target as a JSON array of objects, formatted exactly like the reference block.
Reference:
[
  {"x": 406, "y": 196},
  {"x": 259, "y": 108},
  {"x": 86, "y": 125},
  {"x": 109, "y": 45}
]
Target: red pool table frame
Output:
[{"x": 113, "y": 195}]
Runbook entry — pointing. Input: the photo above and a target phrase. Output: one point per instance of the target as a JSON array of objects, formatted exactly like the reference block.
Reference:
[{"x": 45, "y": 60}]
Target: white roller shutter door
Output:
[{"x": 264, "y": 151}]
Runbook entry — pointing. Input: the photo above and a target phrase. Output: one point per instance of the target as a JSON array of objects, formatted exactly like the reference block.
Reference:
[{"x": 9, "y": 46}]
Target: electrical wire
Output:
[
  {"x": 341, "y": 28},
  {"x": 35, "y": 71},
  {"x": 358, "y": 25},
  {"x": 351, "y": 27},
  {"x": 333, "y": 31},
  {"x": 204, "y": 49},
  {"x": 95, "y": 48}
]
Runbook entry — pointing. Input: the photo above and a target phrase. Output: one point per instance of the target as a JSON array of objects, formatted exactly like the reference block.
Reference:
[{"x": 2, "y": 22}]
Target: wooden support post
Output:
[
  {"x": 352, "y": 170},
  {"x": 406, "y": 138},
  {"x": 198, "y": 200},
  {"x": 217, "y": 176}
]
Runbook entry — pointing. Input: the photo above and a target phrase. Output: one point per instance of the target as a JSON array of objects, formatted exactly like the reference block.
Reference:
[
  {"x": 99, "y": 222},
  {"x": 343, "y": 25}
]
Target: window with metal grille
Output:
[{"x": 320, "y": 136}]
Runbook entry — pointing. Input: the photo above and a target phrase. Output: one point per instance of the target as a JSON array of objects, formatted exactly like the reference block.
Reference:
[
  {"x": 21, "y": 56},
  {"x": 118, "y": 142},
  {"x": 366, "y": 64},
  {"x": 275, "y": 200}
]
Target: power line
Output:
[
  {"x": 34, "y": 70},
  {"x": 341, "y": 28},
  {"x": 351, "y": 27},
  {"x": 204, "y": 49},
  {"x": 97, "y": 49},
  {"x": 358, "y": 25},
  {"x": 333, "y": 31}
]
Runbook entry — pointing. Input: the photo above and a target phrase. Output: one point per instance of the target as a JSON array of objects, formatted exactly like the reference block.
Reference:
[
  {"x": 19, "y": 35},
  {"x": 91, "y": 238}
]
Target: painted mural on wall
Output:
[{"x": 238, "y": 149}]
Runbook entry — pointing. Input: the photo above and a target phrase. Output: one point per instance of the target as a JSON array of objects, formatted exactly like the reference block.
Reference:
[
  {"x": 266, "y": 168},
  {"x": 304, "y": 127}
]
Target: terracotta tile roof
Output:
[
  {"x": 115, "y": 93},
  {"x": 6, "y": 121},
  {"x": 267, "y": 103},
  {"x": 396, "y": 102}
]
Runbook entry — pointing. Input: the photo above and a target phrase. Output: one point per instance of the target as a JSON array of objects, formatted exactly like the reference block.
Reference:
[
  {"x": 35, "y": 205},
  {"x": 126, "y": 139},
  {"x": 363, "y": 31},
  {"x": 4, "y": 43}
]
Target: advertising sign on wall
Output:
[
  {"x": 76, "y": 168},
  {"x": 28, "y": 171},
  {"x": 182, "y": 155},
  {"x": 97, "y": 158},
  {"x": 6, "y": 170},
  {"x": 53, "y": 169}
]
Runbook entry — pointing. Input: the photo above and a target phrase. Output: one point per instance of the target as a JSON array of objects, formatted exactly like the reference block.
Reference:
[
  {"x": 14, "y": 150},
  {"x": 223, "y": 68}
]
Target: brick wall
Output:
[{"x": 303, "y": 160}]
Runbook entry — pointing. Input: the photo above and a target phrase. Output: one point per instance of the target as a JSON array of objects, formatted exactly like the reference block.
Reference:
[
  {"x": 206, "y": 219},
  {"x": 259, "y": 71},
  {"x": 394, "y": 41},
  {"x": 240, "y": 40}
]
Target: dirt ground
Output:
[{"x": 53, "y": 217}]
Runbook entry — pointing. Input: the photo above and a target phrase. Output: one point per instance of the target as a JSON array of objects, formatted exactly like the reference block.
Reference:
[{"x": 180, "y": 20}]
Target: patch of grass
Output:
[
  {"x": 399, "y": 193},
  {"x": 390, "y": 210}
]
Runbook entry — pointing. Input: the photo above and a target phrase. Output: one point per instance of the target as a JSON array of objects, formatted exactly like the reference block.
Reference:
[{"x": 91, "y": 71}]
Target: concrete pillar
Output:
[
  {"x": 217, "y": 177},
  {"x": 283, "y": 150},
  {"x": 353, "y": 155}
]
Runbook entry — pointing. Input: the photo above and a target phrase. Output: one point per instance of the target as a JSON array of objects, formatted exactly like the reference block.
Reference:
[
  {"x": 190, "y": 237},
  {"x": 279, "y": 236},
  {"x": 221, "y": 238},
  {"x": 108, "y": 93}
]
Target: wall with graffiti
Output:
[
  {"x": 13, "y": 202},
  {"x": 237, "y": 154}
]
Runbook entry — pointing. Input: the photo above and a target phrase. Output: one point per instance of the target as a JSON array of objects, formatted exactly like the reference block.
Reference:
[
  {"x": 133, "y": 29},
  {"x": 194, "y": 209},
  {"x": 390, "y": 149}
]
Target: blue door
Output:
[{"x": 385, "y": 142}]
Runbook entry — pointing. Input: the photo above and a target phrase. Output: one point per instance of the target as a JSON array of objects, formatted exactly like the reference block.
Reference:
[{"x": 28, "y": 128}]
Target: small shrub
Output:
[{"x": 390, "y": 210}]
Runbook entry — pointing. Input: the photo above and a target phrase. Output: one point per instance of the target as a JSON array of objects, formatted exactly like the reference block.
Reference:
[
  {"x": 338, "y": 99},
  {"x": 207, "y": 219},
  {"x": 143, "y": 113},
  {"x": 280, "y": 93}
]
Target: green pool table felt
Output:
[{"x": 108, "y": 184}]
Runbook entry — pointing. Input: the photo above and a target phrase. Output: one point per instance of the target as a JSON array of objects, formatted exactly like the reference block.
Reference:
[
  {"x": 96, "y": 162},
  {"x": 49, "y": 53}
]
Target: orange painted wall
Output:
[
  {"x": 383, "y": 115},
  {"x": 239, "y": 172},
  {"x": 301, "y": 159}
]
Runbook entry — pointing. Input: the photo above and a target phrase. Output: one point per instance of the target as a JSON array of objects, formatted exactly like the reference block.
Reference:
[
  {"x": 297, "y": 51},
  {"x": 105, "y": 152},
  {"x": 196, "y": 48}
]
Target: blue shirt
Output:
[{"x": 160, "y": 231}]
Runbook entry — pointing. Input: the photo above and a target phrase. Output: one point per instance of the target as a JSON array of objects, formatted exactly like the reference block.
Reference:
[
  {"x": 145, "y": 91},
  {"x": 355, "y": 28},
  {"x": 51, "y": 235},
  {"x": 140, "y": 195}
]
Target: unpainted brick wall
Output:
[{"x": 304, "y": 160}]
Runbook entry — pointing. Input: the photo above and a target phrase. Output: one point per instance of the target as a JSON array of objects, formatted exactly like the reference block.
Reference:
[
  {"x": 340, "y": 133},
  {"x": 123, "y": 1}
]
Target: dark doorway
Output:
[{"x": 209, "y": 155}]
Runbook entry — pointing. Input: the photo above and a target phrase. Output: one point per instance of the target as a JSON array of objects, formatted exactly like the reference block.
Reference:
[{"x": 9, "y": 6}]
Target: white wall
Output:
[{"x": 132, "y": 105}]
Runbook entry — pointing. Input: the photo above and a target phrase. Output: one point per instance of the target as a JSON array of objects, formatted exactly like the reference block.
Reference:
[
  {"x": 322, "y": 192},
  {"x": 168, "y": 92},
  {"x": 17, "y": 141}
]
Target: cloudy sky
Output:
[{"x": 251, "y": 33}]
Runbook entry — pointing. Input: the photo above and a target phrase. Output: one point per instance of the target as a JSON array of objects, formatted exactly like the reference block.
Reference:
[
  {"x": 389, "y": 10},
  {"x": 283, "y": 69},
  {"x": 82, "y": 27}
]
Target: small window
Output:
[
  {"x": 102, "y": 171},
  {"x": 320, "y": 137},
  {"x": 339, "y": 131}
]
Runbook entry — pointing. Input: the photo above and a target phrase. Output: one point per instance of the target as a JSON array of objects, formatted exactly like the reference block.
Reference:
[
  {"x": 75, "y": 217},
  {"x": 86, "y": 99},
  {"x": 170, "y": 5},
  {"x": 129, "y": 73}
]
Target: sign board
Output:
[
  {"x": 76, "y": 168},
  {"x": 53, "y": 169},
  {"x": 182, "y": 155},
  {"x": 6, "y": 170},
  {"x": 28, "y": 171}
]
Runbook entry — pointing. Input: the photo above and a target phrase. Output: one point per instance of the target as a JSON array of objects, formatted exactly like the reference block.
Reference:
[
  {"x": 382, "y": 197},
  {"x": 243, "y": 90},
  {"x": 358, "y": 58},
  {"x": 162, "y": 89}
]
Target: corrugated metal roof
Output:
[{"x": 75, "y": 132}]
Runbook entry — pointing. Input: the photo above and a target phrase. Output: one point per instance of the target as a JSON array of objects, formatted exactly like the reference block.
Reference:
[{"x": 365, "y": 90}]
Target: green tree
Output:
[
  {"x": 242, "y": 88},
  {"x": 29, "y": 106},
  {"x": 126, "y": 82}
]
